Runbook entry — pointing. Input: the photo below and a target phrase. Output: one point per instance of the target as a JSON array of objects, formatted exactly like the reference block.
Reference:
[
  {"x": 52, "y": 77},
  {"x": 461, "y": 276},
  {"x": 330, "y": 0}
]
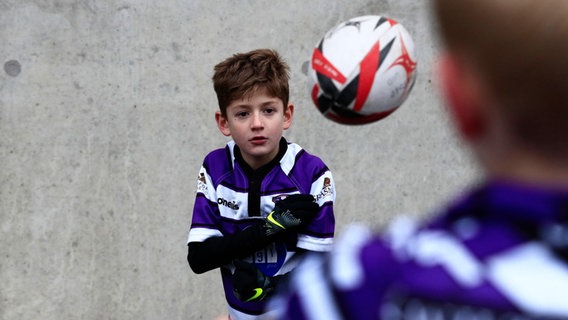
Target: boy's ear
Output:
[
  {"x": 222, "y": 124},
  {"x": 464, "y": 98},
  {"x": 288, "y": 115}
]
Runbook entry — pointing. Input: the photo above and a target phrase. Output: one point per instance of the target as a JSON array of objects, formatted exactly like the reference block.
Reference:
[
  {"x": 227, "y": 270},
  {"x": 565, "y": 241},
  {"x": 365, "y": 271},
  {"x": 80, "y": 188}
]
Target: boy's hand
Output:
[
  {"x": 293, "y": 211},
  {"x": 249, "y": 283}
]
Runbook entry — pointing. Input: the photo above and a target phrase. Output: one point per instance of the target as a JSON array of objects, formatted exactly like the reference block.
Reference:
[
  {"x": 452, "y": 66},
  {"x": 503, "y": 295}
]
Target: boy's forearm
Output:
[{"x": 217, "y": 251}]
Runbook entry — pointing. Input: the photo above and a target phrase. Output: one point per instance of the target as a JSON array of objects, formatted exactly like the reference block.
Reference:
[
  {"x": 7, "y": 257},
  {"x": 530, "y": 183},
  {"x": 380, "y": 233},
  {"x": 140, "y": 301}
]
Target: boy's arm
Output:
[
  {"x": 292, "y": 212},
  {"x": 217, "y": 251}
]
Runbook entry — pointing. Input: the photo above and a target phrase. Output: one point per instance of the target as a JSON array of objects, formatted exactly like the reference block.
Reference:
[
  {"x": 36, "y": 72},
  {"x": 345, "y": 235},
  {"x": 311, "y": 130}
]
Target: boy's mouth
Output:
[{"x": 258, "y": 139}]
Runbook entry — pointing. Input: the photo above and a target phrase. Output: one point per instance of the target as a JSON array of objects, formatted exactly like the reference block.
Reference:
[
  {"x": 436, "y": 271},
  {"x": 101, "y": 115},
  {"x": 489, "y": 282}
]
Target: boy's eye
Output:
[
  {"x": 269, "y": 110},
  {"x": 241, "y": 114}
]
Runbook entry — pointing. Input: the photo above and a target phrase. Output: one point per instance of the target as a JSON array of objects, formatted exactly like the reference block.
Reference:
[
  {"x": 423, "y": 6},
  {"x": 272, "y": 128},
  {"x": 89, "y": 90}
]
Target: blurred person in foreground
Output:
[{"x": 500, "y": 251}]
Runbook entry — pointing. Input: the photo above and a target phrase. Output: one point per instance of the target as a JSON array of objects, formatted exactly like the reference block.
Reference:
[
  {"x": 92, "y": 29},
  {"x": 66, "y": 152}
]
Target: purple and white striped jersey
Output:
[
  {"x": 501, "y": 252},
  {"x": 231, "y": 198}
]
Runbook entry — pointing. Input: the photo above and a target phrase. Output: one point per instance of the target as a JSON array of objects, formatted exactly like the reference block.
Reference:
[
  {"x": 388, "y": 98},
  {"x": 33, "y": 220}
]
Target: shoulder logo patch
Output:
[
  {"x": 326, "y": 190},
  {"x": 202, "y": 183}
]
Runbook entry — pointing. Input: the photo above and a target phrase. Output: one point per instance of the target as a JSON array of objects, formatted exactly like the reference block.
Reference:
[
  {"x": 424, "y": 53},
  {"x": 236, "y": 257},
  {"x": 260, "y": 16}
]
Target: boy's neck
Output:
[{"x": 531, "y": 169}]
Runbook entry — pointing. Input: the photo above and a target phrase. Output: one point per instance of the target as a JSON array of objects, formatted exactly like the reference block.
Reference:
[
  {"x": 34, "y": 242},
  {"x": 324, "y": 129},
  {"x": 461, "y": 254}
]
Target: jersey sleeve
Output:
[
  {"x": 318, "y": 235},
  {"x": 205, "y": 218}
]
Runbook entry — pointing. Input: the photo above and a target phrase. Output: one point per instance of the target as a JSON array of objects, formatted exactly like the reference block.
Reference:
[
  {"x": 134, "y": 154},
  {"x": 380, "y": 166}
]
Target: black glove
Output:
[
  {"x": 293, "y": 211},
  {"x": 249, "y": 283}
]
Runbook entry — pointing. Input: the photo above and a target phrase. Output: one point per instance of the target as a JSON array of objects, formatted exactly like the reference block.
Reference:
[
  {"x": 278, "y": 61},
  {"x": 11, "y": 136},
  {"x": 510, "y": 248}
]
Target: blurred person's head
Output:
[{"x": 504, "y": 73}]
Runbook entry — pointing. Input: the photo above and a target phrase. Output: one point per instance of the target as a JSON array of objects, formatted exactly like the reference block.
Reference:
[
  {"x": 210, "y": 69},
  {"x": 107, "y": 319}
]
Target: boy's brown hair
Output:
[
  {"x": 520, "y": 49},
  {"x": 243, "y": 74}
]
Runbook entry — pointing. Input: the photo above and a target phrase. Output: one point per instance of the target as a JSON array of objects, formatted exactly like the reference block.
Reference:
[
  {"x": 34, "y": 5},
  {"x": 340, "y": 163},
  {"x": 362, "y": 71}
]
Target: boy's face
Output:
[{"x": 256, "y": 124}]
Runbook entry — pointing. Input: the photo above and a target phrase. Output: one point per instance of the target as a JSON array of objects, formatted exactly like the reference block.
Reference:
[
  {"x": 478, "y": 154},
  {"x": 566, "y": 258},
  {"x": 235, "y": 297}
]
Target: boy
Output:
[
  {"x": 501, "y": 250},
  {"x": 261, "y": 201}
]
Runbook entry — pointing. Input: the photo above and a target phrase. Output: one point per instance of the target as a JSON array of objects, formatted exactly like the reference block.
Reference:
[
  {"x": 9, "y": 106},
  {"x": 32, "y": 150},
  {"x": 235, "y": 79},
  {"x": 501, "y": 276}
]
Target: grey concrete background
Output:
[{"x": 106, "y": 112}]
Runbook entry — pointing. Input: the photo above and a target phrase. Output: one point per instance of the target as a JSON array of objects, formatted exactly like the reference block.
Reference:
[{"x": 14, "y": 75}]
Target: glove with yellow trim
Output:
[
  {"x": 293, "y": 211},
  {"x": 249, "y": 283}
]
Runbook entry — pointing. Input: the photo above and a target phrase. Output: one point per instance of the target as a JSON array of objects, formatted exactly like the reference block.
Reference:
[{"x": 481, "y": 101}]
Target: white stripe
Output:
[
  {"x": 399, "y": 233},
  {"x": 315, "y": 296},
  {"x": 440, "y": 248},
  {"x": 237, "y": 315},
  {"x": 533, "y": 278},
  {"x": 432, "y": 248},
  {"x": 201, "y": 234},
  {"x": 289, "y": 159},
  {"x": 314, "y": 244},
  {"x": 346, "y": 268},
  {"x": 436, "y": 247}
]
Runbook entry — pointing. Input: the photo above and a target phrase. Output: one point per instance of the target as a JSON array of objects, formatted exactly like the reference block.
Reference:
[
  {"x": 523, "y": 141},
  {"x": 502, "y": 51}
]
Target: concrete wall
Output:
[{"x": 106, "y": 112}]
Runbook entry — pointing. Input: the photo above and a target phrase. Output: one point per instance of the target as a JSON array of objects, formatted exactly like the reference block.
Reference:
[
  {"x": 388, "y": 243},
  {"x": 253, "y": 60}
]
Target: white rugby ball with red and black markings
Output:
[{"x": 362, "y": 70}]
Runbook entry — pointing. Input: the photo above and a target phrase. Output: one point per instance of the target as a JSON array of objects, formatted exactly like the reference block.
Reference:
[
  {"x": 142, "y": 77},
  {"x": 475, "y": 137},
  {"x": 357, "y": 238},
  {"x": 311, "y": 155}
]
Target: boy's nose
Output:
[{"x": 256, "y": 121}]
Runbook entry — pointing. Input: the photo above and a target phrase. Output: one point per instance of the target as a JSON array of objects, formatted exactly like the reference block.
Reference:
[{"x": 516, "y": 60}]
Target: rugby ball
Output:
[{"x": 362, "y": 70}]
